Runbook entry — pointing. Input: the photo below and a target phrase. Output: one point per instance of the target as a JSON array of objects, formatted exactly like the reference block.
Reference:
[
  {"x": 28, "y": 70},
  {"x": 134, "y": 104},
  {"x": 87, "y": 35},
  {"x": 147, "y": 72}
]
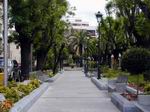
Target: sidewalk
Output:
[{"x": 73, "y": 92}]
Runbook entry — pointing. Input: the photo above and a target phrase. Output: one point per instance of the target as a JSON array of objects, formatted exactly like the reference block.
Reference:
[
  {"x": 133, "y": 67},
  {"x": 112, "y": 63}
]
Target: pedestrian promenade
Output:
[{"x": 73, "y": 92}]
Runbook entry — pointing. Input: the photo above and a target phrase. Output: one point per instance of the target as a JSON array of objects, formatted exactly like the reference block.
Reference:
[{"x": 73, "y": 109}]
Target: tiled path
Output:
[{"x": 73, "y": 92}]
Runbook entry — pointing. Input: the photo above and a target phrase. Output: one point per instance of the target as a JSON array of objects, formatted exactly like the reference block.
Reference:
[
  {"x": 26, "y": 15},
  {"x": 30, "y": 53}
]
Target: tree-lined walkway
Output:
[{"x": 73, "y": 92}]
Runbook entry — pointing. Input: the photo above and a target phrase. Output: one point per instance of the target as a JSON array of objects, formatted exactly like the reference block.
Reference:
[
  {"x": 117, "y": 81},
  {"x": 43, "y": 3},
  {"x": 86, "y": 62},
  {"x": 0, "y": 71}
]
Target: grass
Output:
[
  {"x": 133, "y": 78},
  {"x": 113, "y": 73}
]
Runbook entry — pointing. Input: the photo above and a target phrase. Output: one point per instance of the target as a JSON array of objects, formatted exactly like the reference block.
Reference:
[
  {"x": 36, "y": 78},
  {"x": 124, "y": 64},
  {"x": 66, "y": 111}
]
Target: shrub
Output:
[
  {"x": 146, "y": 75},
  {"x": 26, "y": 89},
  {"x": 35, "y": 83},
  {"x": 12, "y": 83},
  {"x": 5, "y": 106},
  {"x": 147, "y": 89},
  {"x": 50, "y": 74},
  {"x": 10, "y": 93},
  {"x": 111, "y": 73},
  {"x": 104, "y": 69},
  {"x": 92, "y": 64},
  {"x": 136, "y": 60}
]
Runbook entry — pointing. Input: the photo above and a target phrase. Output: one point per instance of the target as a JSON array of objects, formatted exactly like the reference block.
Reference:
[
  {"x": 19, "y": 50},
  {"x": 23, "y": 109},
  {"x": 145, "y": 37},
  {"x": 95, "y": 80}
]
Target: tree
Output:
[
  {"x": 130, "y": 11},
  {"x": 25, "y": 15},
  {"x": 53, "y": 11},
  {"x": 136, "y": 61},
  {"x": 76, "y": 42}
]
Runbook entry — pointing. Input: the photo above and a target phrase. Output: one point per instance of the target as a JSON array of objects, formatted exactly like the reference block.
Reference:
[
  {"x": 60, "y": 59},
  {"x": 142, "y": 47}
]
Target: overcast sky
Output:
[{"x": 86, "y": 9}]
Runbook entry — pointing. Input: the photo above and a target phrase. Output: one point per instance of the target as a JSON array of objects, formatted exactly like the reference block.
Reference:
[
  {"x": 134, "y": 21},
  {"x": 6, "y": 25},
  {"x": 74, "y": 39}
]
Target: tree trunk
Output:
[
  {"x": 25, "y": 58},
  {"x": 41, "y": 58},
  {"x": 81, "y": 55},
  {"x": 57, "y": 58}
]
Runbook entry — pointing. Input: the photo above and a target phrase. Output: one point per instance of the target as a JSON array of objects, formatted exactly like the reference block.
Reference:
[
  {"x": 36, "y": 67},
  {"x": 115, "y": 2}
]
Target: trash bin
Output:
[{"x": 1, "y": 79}]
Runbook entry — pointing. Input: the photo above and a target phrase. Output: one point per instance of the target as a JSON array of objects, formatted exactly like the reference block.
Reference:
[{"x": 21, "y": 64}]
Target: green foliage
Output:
[
  {"x": 92, "y": 64},
  {"x": 33, "y": 76},
  {"x": 70, "y": 60},
  {"x": 111, "y": 73},
  {"x": 133, "y": 79},
  {"x": 10, "y": 93},
  {"x": 104, "y": 68},
  {"x": 16, "y": 92},
  {"x": 12, "y": 84},
  {"x": 147, "y": 89},
  {"x": 136, "y": 60},
  {"x": 26, "y": 89},
  {"x": 147, "y": 75},
  {"x": 50, "y": 74},
  {"x": 35, "y": 83}
]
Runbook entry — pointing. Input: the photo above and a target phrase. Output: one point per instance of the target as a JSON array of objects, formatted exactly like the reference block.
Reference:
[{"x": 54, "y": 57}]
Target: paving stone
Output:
[{"x": 73, "y": 92}]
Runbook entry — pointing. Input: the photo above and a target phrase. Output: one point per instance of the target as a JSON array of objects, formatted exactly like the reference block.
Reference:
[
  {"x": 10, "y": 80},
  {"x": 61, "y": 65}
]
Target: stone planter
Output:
[
  {"x": 26, "y": 102},
  {"x": 144, "y": 100},
  {"x": 132, "y": 90},
  {"x": 102, "y": 84},
  {"x": 122, "y": 103}
]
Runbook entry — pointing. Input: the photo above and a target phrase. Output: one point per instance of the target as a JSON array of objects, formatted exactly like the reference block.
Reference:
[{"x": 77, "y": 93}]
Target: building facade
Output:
[
  {"x": 78, "y": 25},
  {"x": 13, "y": 49}
]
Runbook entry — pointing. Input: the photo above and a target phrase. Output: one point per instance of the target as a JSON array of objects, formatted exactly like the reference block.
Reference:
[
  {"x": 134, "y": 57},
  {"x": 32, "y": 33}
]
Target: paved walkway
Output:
[{"x": 73, "y": 92}]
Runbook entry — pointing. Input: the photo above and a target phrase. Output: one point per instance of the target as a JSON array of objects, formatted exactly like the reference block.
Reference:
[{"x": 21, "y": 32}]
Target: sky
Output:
[{"x": 86, "y": 9}]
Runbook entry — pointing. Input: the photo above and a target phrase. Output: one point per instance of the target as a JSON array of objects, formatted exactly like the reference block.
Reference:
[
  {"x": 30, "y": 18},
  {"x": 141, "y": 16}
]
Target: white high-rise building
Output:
[{"x": 78, "y": 25}]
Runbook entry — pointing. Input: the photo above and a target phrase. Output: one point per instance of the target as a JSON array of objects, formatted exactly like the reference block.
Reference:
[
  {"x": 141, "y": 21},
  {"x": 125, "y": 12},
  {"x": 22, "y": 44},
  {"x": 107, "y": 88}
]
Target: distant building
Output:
[
  {"x": 13, "y": 49},
  {"x": 78, "y": 25}
]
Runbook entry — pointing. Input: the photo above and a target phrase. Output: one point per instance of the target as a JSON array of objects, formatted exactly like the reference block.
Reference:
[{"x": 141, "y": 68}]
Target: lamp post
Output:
[
  {"x": 99, "y": 18},
  {"x": 119, "y": 61},
  {"x": 87, "y": 55},
  {"x": 5, "y": 37}
]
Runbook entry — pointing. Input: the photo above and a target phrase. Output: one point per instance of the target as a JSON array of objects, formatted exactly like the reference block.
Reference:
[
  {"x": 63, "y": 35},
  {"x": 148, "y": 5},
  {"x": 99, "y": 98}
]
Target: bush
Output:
[
  {"x": 111, "y": 73},
  {"x": 92, "y": 64},
  {"x": 35, "y": 83},
  {"x": 104, "y": 68},
  {"x": 10, "y": 93},
  {"x": 50, "y": 74},
  {"x": 147, "y": 75},
  {"x": 5, "y": 106},
  {"x": 136, "y": 60},
  {"x": 147, "y": 89}
]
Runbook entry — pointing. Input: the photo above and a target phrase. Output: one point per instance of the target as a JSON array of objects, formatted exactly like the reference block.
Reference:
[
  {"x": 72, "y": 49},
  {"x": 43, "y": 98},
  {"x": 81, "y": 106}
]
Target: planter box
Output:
[
  {"x": 102, "y": 84},
  {"x": 45, "y": 78},
  {"x": 132, "y": 90},
  {"x": 144, "y": 100},
  {"x": 25, "y": 103},
  {"x": 123, "y": 104},
  {"x": 142, "y": 108}
]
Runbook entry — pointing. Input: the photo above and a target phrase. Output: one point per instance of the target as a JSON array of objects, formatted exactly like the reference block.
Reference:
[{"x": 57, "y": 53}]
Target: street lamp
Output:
[
  {"x": 119, "y": 61},
  {"x": 86, "y": 57},
  {"x": 99, "y": 18},
  {"x": 5, "y": 37}
]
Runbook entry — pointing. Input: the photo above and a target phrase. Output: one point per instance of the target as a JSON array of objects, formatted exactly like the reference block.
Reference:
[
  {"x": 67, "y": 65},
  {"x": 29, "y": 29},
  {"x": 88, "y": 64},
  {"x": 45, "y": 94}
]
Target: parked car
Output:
[{"x": 13, "y": 69}]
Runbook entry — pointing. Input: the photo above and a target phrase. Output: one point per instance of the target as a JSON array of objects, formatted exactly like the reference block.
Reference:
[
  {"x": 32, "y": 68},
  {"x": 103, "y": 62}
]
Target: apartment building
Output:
[{"x": 78, "y": 25}]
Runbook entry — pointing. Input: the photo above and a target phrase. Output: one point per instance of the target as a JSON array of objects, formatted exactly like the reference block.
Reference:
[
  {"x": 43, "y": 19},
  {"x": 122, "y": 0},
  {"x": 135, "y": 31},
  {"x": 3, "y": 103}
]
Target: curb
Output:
[
  {"x": 123, "y": 104},
  {"x": 52, "y": 79},
  {"x": 26, "y": 102},
  {"x": 101, "y": 84}
]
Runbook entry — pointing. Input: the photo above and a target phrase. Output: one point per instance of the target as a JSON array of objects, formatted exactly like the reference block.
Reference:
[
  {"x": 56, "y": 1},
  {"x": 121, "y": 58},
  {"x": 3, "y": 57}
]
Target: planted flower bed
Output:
[{"x": 14, "y": 92}]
